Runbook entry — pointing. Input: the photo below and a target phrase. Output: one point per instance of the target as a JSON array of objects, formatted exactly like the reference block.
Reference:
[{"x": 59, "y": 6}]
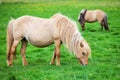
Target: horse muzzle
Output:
[{"x": 83, "y": 62}]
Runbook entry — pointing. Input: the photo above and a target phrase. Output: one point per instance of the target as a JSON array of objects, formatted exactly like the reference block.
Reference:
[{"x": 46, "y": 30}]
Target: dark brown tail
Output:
[
  {"x": 9, "y": 37},
  {"x": 105, "y": 23}
]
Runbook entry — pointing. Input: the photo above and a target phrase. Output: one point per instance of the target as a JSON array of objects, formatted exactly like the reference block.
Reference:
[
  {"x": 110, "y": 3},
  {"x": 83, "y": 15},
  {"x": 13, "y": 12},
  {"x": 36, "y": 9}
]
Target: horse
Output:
[
  {"x": 42, "y": 32},
  {"x": 91, "y": 16}
]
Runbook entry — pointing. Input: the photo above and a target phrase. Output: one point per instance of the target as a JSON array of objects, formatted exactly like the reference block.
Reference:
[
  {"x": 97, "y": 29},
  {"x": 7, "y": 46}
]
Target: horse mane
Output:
[
  {"x": 68, "y": 32},
  {"x": 83, "y": 11}
]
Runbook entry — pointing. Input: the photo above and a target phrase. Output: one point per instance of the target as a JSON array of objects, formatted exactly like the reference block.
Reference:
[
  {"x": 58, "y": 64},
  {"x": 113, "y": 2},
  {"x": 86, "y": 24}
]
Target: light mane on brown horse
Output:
[
  {"x": 93, "y": 16},
  {"x": 42, "y": 32}
]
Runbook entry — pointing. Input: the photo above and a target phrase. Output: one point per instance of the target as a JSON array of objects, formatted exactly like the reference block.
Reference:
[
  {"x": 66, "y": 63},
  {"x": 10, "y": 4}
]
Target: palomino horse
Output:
[
  {"x": 93, "y": 16},
  {"x": 42, "y": 32}
]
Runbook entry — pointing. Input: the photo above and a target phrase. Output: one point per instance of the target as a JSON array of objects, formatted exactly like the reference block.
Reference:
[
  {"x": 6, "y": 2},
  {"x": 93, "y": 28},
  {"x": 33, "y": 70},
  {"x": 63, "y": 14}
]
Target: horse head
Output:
[{"x": 84, "y": 53}]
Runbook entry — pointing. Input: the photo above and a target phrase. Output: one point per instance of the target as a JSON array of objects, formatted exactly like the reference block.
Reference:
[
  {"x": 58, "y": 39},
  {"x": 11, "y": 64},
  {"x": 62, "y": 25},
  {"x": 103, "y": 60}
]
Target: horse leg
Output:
[
  {"x": 12, "y": 51},
  {"x": 83, "y": 27},
  {"x": 57, "y": 45},
  {"x": 101, "y": 23},
  {"x": 101, "y": 26},
  {"x": 22, "y": 52},
  {"x": 53, "y": 57},
  {"x": 56, "y": 52}
]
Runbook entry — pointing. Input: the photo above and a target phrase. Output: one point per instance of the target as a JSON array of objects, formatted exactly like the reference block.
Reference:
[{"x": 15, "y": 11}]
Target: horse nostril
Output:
[{"x": 83, "y": 64}]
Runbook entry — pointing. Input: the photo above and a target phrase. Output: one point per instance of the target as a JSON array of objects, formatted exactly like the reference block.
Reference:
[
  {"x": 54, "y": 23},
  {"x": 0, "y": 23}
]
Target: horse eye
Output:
[{"x": 83, "y": 53}]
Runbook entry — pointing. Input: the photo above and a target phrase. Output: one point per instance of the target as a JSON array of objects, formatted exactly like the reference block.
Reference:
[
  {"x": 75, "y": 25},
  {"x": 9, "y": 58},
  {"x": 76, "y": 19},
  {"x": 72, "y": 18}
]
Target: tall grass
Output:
[{"x": 105, "y": 62}]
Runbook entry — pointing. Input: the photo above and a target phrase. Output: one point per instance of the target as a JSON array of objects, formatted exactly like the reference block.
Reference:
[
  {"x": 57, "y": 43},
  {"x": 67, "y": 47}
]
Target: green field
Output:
[{"x": 105, "y": 45}]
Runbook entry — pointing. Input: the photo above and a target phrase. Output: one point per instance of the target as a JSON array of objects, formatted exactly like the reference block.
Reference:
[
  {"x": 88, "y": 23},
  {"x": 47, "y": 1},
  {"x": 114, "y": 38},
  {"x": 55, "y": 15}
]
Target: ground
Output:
[{"x": 105, "y": 45}]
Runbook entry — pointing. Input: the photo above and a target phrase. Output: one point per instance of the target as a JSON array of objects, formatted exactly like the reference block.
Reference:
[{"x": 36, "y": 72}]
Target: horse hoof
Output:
[
  {"x": 51, "y": 63},
  {"x": 58, "y": 64},
  {"x": 9, "y": 65},
  {"x": 25, "y": 64}
]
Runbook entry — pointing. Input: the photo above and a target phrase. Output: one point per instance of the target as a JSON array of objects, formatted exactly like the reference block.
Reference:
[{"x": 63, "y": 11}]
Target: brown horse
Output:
[
  {"x": 93, "y": 16},
  {"x": 42, "y": 32}
]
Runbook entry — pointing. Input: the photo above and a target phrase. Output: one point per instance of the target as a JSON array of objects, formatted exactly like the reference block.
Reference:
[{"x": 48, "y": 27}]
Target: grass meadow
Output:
[{"x": 105, "y": 45}]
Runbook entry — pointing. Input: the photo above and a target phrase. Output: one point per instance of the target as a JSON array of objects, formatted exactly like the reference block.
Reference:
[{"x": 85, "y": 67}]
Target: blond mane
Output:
[{"x": 69, "y": 33}]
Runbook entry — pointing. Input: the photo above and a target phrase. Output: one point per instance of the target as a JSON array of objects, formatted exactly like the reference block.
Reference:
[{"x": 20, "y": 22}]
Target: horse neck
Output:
[{"x": 70, "y": 36}]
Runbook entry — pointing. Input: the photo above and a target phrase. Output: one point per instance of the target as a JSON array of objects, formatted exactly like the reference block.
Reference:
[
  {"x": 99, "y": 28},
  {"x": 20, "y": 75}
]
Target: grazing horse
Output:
[
  {"x": 93, "y": 16},
  {"x": 41, "y": 32}
]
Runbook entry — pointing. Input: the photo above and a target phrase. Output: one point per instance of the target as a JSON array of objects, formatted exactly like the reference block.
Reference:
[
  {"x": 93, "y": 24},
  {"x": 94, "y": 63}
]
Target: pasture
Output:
[{"x": 105, "y": 45}]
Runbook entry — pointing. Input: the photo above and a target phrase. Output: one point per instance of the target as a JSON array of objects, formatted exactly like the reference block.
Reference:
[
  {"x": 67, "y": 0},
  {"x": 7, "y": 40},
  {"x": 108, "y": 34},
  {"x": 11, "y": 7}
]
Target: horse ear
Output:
[
  {"x": 85, "y": 9},
  {"x": 81, "y": 44}
]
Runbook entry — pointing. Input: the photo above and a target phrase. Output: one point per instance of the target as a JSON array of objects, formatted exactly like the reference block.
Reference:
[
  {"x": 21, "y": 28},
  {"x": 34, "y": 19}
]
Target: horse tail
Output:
[
  {"x": 9, "y": 37},
  {"x": 105, "y": 23}
]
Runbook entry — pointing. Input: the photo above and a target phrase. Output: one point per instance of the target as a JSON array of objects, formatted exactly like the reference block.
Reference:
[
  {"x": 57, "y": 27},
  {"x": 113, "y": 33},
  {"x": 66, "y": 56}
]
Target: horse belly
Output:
[
  {"x": 40, "y": 41},
  {"x": 91, "y": 19}
]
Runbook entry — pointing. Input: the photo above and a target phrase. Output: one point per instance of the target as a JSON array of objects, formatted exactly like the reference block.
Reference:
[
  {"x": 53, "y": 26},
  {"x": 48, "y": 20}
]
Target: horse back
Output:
[
  {"x": 28, "y": 23},
  {"x": 94, "y": 15},
  {"x": 38, "y": 31}
]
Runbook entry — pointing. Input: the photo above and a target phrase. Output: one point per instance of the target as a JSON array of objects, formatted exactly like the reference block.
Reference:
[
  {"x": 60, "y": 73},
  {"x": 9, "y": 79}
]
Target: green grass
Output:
[{"x": 105, "y": 62}]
